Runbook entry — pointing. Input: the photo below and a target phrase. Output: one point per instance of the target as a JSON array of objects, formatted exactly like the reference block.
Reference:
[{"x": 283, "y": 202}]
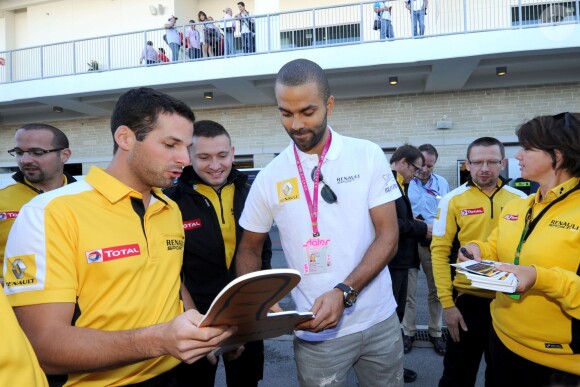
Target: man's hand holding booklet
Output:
[{"x": 485, "y": 275}]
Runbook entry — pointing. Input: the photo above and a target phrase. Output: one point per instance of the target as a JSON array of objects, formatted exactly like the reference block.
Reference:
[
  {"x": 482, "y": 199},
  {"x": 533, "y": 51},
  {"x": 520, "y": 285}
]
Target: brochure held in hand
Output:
[
  {"x": 245, "y": 302},
  {"x": 484, "y": 275}
]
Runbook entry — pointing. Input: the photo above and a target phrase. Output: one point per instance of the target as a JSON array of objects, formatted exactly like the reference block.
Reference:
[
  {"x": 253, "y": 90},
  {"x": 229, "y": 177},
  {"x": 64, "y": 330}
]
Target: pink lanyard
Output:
[{"x": 313, "y": 202}]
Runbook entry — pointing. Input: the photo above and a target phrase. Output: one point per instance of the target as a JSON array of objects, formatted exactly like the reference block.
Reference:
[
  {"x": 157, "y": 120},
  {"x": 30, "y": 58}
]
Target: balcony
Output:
[{"x": 465, "y": 41}]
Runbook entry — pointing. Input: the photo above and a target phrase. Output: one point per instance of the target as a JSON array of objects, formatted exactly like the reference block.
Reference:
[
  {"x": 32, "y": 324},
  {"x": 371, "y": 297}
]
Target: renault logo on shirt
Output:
[
  {"x": 288, "y": 190},
  {"x": 8, "y": 215},
  {"x": 112, "y": 253},
  {"x": 18, "y": 268},
  {"x": 22, "y": 271},
  {"x": 562, "y": 224}
]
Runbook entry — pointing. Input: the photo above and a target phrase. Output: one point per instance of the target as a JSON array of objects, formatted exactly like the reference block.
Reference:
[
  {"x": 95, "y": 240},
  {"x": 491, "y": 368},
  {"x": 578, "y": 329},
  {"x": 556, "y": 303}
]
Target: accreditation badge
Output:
[{"x": 316, "y": 255}]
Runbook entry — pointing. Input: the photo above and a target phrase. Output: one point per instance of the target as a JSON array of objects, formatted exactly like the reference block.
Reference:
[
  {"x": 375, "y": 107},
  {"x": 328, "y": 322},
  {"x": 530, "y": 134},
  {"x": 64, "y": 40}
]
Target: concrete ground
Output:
[{"x": 280, "y": 369}]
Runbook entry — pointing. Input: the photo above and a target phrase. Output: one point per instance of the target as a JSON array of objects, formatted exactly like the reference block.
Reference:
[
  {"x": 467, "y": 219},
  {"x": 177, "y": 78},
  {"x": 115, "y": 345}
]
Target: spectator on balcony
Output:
[
  {"x": 161, "y": 56},
  {"x": 217, "y": 39},
  {"x": 173, "y": 38},
  {"x": 384, "y": 13},
  {"x": 229, "y": 28},
  {"x": 207, "y": 35},
  {"x": 192, "y": 36},
  {"x": 149, "y": 55},
  {"x": 247, "y": 28},
  {"x": 418, "y": 9}
]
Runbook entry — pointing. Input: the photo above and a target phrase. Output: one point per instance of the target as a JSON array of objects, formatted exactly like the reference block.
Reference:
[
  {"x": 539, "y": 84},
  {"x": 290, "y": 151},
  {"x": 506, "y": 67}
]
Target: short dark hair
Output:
[
  {"x": 242, "y": 4},
  {"x": 139, "y": 109},
  {"x": 149, "y": 43},
  {"x": 487, "y": 141},
  {"x": 429, "y": 149},
  {"x": 548, "y": 133},
  {"x": 209, "y": 129},
  {"x": 408, "y": 152},
  {"x": 59, "y": 139},
  {"x": 301, "y": 71}
]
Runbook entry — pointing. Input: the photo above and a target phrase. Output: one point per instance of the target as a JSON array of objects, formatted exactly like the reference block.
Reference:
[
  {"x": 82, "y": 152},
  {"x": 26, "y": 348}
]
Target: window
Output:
[
  {"x": 244, "y": 161},
  {"x": 324, "y": 35},
  {"x": 545, "y": 13}
]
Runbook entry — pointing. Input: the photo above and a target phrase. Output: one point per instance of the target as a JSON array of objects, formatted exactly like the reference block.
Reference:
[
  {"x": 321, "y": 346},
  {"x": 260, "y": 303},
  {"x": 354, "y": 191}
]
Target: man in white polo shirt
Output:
[{"x": 332, "y": 198}]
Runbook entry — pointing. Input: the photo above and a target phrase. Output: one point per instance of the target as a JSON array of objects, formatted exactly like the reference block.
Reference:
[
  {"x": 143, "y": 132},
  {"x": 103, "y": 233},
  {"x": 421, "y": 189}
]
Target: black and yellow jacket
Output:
[
  {"x": 543, "y": 326},
  {"x": 205, "y": 271},
  {"x": 464, "y": 214},
  {"x": 12, "y": 198},
  {"x": 410, "y": 231}
]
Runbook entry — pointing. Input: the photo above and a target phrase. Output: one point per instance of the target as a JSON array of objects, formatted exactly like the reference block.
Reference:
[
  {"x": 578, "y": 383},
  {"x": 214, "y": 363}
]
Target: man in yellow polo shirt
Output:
[
  {"x": 92, "y": 269},
  {"x": 41, "y": 151}
]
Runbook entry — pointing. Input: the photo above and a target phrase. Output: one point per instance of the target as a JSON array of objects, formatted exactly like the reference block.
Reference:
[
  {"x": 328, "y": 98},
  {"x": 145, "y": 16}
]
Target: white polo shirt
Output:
[{"x": 358, "y": 172}]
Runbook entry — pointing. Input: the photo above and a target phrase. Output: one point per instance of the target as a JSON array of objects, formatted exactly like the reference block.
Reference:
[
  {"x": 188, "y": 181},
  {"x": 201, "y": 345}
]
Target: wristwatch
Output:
[{"x": 349, "y": 294}]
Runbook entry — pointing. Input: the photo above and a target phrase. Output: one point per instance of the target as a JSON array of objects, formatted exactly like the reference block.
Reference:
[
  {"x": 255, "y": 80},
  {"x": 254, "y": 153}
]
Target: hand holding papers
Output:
[
  {"x": 245, "y": 303},
  {"x": 484, "y": 275}
]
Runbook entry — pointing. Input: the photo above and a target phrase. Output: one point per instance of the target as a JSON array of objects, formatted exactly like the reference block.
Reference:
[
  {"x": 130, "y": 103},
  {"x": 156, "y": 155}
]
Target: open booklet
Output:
[
  {"x": 245, "y": 302},
  {"x": 484, "y": 275}
]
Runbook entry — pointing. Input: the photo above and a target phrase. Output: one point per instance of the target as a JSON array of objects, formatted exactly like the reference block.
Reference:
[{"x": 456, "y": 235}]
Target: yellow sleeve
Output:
[
  {"x": 561, "y": 285},
  {"x": 444, "y": 233}
]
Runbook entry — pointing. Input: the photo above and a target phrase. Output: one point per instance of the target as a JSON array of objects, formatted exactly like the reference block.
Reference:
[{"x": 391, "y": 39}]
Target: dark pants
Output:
[
  {"x": 400, "y": 279},
  {"x": 245, "y": 371},
  {"x": 509, "y": 370},
  {"x": 462, "y": 359},
  {"x": 248, "y": 42}
]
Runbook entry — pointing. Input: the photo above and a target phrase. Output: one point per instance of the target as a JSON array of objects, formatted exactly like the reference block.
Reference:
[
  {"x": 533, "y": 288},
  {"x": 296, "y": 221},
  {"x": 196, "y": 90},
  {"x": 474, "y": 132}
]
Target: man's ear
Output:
[
  {"x": 124, "y": 137},
  {"x": 65, "y": 155},
  {"x": 329, "y": 105}
]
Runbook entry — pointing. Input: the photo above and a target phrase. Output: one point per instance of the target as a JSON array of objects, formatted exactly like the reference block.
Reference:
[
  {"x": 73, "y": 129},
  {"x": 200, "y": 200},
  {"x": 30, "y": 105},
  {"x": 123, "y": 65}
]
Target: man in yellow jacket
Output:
[
  {"x": 41, "y": 151},
  {"x": 469, "y": 212}
]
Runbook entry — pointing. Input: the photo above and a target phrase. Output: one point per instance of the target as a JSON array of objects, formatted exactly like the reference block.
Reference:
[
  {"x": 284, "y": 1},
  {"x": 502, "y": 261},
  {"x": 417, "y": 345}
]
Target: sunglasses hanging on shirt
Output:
[{"x": 326, "y": 192}]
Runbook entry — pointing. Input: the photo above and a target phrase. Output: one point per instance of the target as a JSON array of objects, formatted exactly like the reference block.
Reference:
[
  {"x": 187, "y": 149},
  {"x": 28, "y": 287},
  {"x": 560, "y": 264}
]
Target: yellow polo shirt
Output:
[
  {"x": 12, "y": 198},
  {"x": 90, "y": 243}
]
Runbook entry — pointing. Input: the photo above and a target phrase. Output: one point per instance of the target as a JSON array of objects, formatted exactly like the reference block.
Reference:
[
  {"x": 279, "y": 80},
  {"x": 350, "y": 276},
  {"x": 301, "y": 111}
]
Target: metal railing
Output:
[{"x": 309, "y": 28}]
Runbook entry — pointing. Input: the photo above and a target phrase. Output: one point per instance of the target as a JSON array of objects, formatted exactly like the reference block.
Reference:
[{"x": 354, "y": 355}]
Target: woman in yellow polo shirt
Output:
[{"x": 535, "y": 339}]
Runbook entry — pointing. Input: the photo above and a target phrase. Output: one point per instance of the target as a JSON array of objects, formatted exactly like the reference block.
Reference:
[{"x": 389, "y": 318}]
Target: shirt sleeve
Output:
[
  {"x": 257, "y": 215},
  {"x": 560, "y": 285},
  {"x": 384, "y": 187},
  {"x": 45, "y": 265},
  {"x": 444, "y": 232}
]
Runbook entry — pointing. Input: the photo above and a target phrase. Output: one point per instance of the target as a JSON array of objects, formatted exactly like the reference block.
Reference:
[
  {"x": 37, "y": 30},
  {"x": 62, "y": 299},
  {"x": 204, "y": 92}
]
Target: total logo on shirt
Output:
[
  {"x": 8, "y": 215},
  {"x": 112, "y": 253},
  {"x": 191, "y": 224},
  {"x": 472, "y": 211},
  {"x": 511, "y": 217}
]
